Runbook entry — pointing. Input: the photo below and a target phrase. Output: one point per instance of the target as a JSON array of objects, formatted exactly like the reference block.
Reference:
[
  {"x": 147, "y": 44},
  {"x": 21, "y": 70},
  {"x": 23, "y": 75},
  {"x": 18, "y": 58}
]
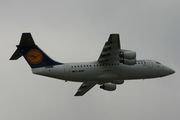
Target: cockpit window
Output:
[{"x": 158, "y": 63}]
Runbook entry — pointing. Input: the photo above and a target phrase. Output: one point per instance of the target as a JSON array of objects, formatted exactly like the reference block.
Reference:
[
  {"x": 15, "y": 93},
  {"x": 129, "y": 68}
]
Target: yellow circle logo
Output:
[{"x": 34, "y": 56}]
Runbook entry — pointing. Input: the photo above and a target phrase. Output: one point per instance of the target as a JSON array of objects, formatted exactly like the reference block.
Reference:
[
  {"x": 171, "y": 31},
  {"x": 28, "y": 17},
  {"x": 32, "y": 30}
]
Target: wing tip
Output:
[{"x": 78, "y": 94}]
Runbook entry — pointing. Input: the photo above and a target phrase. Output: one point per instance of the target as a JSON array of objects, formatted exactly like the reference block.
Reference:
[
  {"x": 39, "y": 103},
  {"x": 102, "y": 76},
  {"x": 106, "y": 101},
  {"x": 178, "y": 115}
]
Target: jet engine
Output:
[
  {"x": 118, "y": 81},
  {"x": 108, "y": 86},
  {"x": 127, "y": 57},
  {"x": 127, "y": 54},
  {"x": 128, "y": 62}
]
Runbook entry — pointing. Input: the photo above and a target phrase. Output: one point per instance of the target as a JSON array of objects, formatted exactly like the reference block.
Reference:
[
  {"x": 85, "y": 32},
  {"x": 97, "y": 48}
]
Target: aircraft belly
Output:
[
  {"x": 101, "y": 75},
  {"x": 106, "y": 77}
]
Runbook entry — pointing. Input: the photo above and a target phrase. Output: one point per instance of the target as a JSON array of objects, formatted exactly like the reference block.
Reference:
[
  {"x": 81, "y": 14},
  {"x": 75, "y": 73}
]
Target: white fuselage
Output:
[{"x": 104, "y": 72}]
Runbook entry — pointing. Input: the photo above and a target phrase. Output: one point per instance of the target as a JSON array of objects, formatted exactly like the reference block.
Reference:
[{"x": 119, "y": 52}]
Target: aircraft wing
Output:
[
  {"x": 111, "y": 49},
  {"x": 86, "y": 86}
]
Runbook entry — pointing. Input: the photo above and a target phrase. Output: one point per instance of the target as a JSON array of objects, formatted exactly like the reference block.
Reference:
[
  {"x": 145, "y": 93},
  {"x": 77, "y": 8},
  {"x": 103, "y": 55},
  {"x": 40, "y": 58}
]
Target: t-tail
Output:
[{"x": 32, "y": 53}]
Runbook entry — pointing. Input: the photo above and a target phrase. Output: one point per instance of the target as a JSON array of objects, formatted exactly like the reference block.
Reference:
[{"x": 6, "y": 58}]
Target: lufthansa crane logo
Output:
[{"x": 34, "y": 56}]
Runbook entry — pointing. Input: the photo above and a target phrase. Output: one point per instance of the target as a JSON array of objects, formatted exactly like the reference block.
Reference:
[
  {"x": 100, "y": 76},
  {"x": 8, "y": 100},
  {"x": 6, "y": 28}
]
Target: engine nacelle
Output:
[
  {"x": 108, "y": 86},
  {"x": 118, "y": 81},
  {"x": 128, "y": 62},
  {"x": 127, "y": 54}
]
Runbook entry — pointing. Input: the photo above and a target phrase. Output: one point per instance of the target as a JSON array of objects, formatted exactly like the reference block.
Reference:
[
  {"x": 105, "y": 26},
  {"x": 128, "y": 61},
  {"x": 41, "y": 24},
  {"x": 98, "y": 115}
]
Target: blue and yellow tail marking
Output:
[{"x": 32, "y": 53}]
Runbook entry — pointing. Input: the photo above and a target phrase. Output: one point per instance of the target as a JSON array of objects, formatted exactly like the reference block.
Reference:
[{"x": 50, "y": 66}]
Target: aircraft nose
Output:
[{"x": 168, "y": 71}]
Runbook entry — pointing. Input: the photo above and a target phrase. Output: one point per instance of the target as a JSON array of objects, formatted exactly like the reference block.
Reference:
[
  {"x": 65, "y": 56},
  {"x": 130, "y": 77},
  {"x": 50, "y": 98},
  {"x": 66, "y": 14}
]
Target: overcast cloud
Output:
[{"x": 75, "y": 31}]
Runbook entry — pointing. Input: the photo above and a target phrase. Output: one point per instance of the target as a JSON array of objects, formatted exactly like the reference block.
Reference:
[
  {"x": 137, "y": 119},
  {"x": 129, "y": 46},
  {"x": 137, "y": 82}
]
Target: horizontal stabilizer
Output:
[
  {"x": 16, "y": 55},
  {"x": 26, "y": 41}
]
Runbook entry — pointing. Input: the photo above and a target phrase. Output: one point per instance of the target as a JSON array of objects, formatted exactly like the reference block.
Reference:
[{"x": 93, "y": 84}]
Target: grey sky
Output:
[{"x": 71, "y": 31}]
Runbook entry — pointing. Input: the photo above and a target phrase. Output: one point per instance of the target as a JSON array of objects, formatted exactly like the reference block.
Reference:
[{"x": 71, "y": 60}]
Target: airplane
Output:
[{"x": 113, "y": 67}]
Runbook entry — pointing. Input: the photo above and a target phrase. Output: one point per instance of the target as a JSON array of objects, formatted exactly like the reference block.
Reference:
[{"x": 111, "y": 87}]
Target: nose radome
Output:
[
  {"x": 172, "y": 71},
  {"x": 169, "y": 71}
]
